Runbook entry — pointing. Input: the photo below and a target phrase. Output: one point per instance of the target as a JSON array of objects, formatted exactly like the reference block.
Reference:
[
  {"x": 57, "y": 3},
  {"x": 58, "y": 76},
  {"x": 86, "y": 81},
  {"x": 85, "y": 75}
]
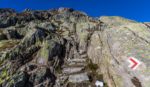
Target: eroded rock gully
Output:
[{"x": 66, "y": 48}]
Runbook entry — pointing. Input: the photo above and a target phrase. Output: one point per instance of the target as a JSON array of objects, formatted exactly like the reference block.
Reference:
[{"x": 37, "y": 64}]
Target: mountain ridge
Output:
[{"x": 67, "y": 48}]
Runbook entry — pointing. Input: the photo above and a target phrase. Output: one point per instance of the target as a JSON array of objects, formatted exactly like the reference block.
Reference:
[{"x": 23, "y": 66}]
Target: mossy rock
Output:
[
  {"x": 4, "y": 76},
  {"x": 7, "y": 44}
]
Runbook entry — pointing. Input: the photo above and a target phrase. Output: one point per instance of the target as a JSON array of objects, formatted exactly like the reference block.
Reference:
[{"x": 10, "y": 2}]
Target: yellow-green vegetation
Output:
[
  {"x": 8, "y": 44},
  {"x": 1, "y": 31},
  {"x": 93, "y": 67},
  {"x": 58, "y": 69},
  {"x": 83, "y": 84},
  {"x": 45, "y": 50},
  {"x": 4, "y": 76},
  {"x": 95, "y": 76},
  {"x": 99, "y": 77}
]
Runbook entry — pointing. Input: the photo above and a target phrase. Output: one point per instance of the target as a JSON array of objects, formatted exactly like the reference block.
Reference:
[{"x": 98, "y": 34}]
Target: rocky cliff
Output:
[{"x": 67, "y": 48}]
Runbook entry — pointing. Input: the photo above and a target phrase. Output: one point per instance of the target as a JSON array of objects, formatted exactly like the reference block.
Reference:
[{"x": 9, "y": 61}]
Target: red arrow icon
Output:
[{"x": 134, "y": 63}]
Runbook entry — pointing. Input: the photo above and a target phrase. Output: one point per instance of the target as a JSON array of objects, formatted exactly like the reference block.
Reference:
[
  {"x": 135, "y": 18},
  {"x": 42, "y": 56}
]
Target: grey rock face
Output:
[{"x": 66, "y": 48}]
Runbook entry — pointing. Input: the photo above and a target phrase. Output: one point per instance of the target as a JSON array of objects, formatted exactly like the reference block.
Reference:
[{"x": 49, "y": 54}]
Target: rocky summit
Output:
[{"x": 67, "y": 48}]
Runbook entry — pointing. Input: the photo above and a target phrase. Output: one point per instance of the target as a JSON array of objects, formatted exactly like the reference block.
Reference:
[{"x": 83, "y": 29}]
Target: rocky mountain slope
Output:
[{"x": 67, "y": 48}]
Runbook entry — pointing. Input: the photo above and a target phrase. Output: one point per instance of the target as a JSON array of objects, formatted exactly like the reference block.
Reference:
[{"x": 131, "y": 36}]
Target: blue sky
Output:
[{"x": 138, "y": 10}]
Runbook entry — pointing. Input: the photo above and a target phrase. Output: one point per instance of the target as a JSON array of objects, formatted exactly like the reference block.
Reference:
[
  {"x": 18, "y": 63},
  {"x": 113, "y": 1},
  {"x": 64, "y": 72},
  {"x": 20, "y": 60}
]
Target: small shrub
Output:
[
  {"x": 58, "y": 69},
  {"x": 92, "y": 66},
  {"x": 99, "y": 77}
]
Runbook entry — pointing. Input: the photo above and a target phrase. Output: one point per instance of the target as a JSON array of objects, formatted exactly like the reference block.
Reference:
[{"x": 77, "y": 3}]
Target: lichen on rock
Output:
[{"x": 66, "y": 48}]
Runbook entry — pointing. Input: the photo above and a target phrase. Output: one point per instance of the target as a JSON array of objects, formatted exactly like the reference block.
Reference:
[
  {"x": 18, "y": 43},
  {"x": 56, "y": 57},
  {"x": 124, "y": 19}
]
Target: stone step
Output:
[
  {"x": 76, "y": 64},
  {"x": 84, "y": 56},
  {"x": 72, "y": 70},
  {"x": 78, "y": 78},
  {"x": 77, "y": 60}
]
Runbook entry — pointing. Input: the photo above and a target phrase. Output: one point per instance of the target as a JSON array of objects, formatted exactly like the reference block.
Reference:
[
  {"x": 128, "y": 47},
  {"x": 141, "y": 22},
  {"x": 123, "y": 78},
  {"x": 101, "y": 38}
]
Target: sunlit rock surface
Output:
[{"x": 66, "y": 48}]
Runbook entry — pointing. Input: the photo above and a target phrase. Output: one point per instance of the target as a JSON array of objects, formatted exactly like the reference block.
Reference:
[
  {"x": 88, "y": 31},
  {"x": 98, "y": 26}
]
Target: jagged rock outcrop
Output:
[{"x": 66, "y": 48}]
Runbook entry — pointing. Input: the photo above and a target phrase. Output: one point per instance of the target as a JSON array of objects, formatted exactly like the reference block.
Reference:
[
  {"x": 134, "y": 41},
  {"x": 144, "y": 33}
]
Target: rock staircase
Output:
[{"x": 74, "y": 71}]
